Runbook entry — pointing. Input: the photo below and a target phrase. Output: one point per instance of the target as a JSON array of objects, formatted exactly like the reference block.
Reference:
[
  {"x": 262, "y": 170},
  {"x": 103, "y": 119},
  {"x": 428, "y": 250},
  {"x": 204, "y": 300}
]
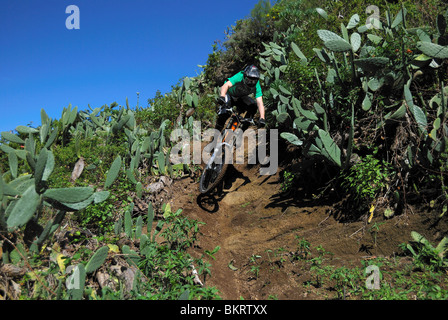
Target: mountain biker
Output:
[{"x": 236, "y": 91}]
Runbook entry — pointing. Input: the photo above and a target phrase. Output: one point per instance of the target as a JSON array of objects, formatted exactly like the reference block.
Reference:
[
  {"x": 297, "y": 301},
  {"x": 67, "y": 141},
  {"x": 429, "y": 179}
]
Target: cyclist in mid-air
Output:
[{"x": 236, "y": 91}]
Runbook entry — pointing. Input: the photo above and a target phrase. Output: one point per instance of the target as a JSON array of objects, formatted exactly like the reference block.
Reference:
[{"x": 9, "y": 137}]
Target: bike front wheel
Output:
[{"x": 213, "y": 173}]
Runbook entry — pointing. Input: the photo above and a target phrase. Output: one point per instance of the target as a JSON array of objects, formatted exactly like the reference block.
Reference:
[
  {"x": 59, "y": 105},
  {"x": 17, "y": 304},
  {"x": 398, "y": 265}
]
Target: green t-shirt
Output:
[{"x": 244, "y": 90}]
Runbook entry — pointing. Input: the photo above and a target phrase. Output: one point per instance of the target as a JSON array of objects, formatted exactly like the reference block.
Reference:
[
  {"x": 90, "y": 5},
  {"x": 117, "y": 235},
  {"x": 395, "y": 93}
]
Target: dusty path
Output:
[{"x": 258, "y": 231}]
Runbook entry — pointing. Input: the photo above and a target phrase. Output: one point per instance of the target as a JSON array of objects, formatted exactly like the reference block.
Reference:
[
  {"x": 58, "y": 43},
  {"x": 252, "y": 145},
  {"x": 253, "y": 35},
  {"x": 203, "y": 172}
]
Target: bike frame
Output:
[{"x": 233, "y": 123}]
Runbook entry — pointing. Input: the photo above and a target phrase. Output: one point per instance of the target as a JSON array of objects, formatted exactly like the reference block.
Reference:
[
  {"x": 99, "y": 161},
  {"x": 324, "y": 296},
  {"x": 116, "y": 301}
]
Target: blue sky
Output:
[{"x": 121, "y": 48}]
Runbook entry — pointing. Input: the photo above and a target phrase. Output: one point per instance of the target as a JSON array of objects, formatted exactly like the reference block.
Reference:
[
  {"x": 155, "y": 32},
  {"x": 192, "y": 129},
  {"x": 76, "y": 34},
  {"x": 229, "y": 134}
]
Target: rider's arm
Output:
[
  {"x": 260, "y": 107},
  {"x": 225, "y": 88}
]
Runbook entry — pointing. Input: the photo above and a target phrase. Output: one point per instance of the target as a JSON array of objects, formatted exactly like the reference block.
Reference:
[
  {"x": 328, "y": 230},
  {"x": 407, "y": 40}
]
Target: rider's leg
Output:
[
  {"x": 222, "y": 115},
  {"x": 248, "y": 104}
]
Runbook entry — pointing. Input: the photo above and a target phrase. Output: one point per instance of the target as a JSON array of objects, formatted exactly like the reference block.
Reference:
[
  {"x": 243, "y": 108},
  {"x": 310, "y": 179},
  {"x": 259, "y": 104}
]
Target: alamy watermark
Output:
[
  {"x": 373, "y": 279},
  {"x": 73, "y": 21},
  {"x": 237, "y": 145},
  {"x": 373, "y": 21}
]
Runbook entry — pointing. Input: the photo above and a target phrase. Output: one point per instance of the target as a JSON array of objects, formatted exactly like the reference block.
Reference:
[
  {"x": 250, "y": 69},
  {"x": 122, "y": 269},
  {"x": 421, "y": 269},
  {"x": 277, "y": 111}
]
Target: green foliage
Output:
[
  {"x": 99, "y": 215},
  {"x": 288, "y": 181},
  {"x": 162, "y": 256},
  {"x": 303, "y": 248},
  {"x": 244, "y": 41},
  {"x": 159, "y": 108},
  {"x": 398, "y": 279},
  {"x": 181, "y": 232},
  {"x": 97, "y": 155},
  {"x": 27, "y": 196},
  {"x": 76, "y": 282},
  {"x": 425, "y": 254},
  {"x": 128, "y": 223},
  {"x": 24, "y": 208},
  {"x": 333, "y": 85},
  {"x": 113, "y": 172},
  {"x": 302, "y": 78},
  {"x": 38, "y": 187},
  {"x": 367, "y": 179},
  {"x": 361, "y": 73},
  {"x": 442, "y": 180},
  {"x": 97, "y": 259},
  {"x": 206, "y": 111},
  {"x": 69, "y": 195}
]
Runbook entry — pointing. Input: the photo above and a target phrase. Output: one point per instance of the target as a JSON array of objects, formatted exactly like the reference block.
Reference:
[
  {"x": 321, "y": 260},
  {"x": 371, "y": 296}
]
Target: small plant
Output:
[
  {"x": 317, "y": 265},
  {"x": 374, "y": 230},
  {"x": 425, "y": 254},
  {"x": 441, "y": 178},
  {"x": 170, "y": 271},
  {"x": 347, "y": 281},
  {"x": 367, "y": 179},
  {"x": 303, "y": 249},
  {"x": 181, "y": 232},
  {"x": 99, "y": 215},
  {"x": 288, "y": 181},
  {"x": 255, "y": 267}
]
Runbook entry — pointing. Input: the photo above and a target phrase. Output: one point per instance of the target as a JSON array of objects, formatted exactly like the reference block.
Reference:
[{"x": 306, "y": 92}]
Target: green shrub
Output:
[
  {"x": 425, "y": 254},
  {"x": 367, "y": 179},
  {"x": 97, "y": 154},
  {"x": 99, "y": 216},
  {"x": 159, "y": 108}
]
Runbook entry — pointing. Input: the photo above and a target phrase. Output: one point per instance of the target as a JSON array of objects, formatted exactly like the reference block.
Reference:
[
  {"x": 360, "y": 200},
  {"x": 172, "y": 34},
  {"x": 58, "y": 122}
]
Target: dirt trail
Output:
[{"x": 257, "y": 227}]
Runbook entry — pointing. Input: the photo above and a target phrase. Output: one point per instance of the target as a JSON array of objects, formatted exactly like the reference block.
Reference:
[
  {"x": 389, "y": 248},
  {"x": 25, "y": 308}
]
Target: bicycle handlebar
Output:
[
  {"x": 247, "y": 120},
  {"x": 231, "y": 112}
]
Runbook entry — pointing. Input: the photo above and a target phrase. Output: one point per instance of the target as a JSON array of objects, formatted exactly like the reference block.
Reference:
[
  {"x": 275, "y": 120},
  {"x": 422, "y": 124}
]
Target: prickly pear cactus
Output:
[{"x": 97, "y": 259}]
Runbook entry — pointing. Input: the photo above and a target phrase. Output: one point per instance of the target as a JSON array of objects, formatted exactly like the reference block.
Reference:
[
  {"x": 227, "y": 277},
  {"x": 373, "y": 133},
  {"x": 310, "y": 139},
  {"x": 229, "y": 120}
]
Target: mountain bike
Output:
[{"x": 219, "y": 161}]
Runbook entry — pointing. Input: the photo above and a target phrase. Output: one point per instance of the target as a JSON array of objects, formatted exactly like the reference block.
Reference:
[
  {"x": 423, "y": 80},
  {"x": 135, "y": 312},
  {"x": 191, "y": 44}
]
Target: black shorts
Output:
[{"x": 243, "y": 104}]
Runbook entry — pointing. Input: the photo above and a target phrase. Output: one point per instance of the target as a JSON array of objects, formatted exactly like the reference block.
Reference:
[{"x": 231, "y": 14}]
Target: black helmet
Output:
[{"x": 251, "y": 75}]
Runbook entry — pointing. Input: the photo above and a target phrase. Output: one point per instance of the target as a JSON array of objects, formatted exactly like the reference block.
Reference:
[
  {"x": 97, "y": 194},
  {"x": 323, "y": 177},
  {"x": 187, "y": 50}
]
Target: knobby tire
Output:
[
  {"x": 220, "y": 174},
  {"x": 204, "y": 189}
]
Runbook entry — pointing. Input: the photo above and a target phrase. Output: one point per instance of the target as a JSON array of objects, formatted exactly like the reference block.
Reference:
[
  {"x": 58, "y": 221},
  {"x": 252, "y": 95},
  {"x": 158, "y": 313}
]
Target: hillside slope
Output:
[{"x": 259, "y": 229}]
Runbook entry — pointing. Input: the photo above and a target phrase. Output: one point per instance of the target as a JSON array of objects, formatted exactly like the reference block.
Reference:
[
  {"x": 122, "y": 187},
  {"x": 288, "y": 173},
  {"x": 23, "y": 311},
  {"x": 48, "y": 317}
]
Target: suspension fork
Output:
[{"x": 234, "y": 125}]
